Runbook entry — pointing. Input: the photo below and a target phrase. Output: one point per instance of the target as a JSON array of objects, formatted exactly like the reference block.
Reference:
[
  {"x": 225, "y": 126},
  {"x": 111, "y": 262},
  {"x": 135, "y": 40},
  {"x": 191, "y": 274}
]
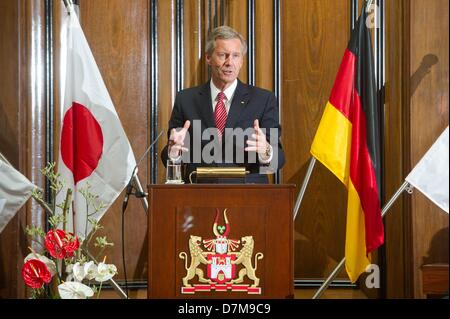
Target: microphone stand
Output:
[
  {"x": 139, "y": 193},
  {"x": 134, "y": 182}
]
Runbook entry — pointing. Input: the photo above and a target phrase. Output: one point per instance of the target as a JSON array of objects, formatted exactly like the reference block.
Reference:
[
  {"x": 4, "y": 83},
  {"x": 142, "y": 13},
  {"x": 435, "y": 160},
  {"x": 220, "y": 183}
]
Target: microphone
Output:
[{"x": 134, "y": 173}]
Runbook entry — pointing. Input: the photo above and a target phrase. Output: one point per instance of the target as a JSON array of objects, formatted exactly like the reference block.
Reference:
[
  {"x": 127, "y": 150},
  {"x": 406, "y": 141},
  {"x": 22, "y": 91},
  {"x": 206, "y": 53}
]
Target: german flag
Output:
[{"x": 347, "y": 142}]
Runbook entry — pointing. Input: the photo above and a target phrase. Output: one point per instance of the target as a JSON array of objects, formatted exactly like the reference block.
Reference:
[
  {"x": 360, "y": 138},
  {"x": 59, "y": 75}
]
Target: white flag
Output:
[
  {"x": 94, "y": 149},
  {"x": 15, "y": 190},
  {"x": 430, "y": 175},
  {"x": 2, "y": 204}
]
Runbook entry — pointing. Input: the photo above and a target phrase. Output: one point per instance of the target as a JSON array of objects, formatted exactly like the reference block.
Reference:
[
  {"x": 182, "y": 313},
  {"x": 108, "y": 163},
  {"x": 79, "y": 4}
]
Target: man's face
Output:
[{"x": 225, "y": 61}]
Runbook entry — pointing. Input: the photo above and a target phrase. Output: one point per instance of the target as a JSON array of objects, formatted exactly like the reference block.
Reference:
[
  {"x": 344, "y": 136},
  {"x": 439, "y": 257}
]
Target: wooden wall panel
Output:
[
  {"x": 264, "y": 44},
  {"x": 22, "y": 125},
  {"x": 398, "y": 272},
  {"x": 314, "y": 37},
  {"x": 9, "y": 137},
  {"x": 118, "y": 34},
  {"x": 166, "y": 71},
  {"x": 416, "y": 113},
  {"x": 194, "y": 43},
  {"x": 236, "y": 16},
  {"x": 429, "y": 104},
  {"x": 9, "y": 65}
]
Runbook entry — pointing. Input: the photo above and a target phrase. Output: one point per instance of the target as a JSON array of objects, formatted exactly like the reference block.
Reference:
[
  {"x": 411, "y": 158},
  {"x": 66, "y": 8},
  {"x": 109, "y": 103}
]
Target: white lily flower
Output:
[
  {"x": 74, "y": 290},
  {"x": 105, "y": 272},
  {"x": 78, "y": 272},
  {"x": 90, "y": 269},
  {"x": 50, "y": 264}
]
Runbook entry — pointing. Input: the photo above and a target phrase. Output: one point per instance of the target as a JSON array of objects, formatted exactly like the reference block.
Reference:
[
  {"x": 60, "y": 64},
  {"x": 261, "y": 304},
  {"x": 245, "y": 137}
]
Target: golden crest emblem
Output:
[{"x": 228, "y": 262}]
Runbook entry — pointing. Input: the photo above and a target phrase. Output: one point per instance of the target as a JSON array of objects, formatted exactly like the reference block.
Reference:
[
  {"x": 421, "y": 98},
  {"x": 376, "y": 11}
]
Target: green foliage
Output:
[
  {"x": 102, "y": 242},
  {"x": 35, "y": 232}
]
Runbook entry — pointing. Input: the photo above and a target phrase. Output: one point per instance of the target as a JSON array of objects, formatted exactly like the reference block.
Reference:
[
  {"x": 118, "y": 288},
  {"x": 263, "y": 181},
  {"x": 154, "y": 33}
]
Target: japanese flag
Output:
[{"x": 94, "y": 149}]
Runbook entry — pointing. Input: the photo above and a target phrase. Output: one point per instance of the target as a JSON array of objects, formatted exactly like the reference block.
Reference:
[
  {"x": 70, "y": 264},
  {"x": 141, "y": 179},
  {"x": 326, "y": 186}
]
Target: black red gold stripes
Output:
[{"x": 347, "y": 143}]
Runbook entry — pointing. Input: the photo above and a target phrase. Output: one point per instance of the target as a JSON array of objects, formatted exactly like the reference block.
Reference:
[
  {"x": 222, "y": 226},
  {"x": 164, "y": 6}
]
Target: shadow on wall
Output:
[
  {"x": 424, "y": 68},
  {"x": 438, "y": 250}
]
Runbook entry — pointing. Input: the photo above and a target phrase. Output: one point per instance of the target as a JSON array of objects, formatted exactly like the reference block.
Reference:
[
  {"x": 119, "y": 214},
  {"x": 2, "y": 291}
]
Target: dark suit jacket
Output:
[{"x": 249, "y": 103}]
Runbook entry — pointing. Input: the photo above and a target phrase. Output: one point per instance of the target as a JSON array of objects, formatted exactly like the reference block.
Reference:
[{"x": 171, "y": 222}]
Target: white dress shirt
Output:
[{"x": 229, "y": 93}]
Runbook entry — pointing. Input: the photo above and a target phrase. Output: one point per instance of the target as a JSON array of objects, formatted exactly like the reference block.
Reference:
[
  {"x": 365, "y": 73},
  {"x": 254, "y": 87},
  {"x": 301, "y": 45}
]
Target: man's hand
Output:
[
  {"x": 176, "y": 140},
  {"x": 259, "y": 143}
]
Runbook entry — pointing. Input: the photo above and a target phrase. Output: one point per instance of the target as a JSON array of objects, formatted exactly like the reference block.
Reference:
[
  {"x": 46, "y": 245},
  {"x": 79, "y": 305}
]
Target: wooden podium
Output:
[{"x": 220, "y": 241}]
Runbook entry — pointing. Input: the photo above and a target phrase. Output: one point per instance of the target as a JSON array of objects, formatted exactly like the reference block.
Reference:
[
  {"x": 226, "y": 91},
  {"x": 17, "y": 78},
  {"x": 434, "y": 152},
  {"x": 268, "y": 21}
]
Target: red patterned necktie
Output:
[{"x": 220, "y": 113}]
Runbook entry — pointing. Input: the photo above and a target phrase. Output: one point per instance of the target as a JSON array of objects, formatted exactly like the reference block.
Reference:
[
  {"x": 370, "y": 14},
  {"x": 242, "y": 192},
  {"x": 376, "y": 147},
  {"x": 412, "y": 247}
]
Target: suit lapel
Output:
[
  {"x": 204, "y": 105},
  {"x": 240, "y": 100}
]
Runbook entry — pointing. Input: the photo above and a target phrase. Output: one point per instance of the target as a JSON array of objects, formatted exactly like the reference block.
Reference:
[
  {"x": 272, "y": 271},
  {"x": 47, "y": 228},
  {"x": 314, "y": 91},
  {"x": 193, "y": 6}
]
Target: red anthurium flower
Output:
[
  {"x": 60, "y": 245},
  {"x": 71, "y": 246},
  {"x": 35, "y": 273}
]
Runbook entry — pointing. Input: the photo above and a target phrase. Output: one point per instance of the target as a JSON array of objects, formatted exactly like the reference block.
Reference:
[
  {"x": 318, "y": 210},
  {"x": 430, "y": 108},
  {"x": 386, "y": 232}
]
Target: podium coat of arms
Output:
[{"x": 222, "y": 257}]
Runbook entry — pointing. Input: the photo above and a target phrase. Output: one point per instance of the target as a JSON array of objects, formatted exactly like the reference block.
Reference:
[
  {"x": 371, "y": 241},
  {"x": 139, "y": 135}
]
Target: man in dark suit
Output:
[{"x": 224, "y": 122}]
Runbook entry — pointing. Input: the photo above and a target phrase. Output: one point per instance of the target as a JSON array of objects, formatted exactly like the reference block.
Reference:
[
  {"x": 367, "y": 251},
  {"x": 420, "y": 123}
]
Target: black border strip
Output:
[
  {"x": 380, "y": 45},
  {"x": 309, "y": 283},
  {"x": 353, "y": 13},
  {"x": 154, "y": 89},
  {"x": 298, "y": 283},
  {"x": 222, "y": 12},
  {"x": 277, "y": 65},
  {"x": 49, "y": 91},
  {"x": 179, "y": 61},
  {"x": 251, "y": 41},
  {"x": 379, "y": 53}
]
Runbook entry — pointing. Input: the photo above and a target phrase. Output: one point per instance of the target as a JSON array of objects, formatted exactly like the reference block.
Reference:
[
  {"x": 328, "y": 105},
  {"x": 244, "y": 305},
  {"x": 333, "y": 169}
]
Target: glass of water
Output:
[{"x": 174, "y": 172}]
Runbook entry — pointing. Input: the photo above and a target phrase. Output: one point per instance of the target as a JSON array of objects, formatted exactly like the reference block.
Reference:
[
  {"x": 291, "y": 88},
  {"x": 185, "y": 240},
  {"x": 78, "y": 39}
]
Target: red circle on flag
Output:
[{"x": 81, "y": 142}]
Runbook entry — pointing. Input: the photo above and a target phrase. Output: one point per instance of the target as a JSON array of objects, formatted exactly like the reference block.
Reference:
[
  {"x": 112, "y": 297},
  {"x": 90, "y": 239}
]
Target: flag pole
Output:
[
  {"x": 3, "y": 158},
  {"x": 312, "y": 162},
  {"x": 405, "y": 186}
]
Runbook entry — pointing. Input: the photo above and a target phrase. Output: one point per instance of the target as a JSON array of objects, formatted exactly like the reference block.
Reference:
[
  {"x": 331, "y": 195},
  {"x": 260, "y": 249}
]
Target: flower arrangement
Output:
[{"x": 64, "y": 268}]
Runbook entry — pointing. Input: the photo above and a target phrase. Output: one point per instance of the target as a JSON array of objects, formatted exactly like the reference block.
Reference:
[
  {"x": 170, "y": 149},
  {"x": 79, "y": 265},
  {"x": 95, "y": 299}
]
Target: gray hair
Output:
[{"x": 224, "y": 32}]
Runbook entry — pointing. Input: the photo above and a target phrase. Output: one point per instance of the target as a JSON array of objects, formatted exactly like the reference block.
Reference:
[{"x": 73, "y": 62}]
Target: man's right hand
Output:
[{"x": 176, "y": 140}]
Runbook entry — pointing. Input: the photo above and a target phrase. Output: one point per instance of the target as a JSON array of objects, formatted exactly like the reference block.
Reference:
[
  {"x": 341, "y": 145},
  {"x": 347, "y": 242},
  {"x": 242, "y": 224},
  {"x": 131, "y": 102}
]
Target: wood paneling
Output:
[
  {"x": 314, "y": 37},
  {"x": 435, "y": 279},
  {"x": 9, "y": 137},
  {"x": 22, "y": 125},
  {"x": 264, "y": 44},
  {"x": 9, "y": 64},
  {"x": 428, "y": 90},
  {"x": 194, "y": 44},
  {"x": 118, "y": 34},
  {"x": 397, "y": 221},
  {"x": 236, "y": 16},
  {"x": 416, "y": 113},
  {"x": 166, "y": 71}
]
